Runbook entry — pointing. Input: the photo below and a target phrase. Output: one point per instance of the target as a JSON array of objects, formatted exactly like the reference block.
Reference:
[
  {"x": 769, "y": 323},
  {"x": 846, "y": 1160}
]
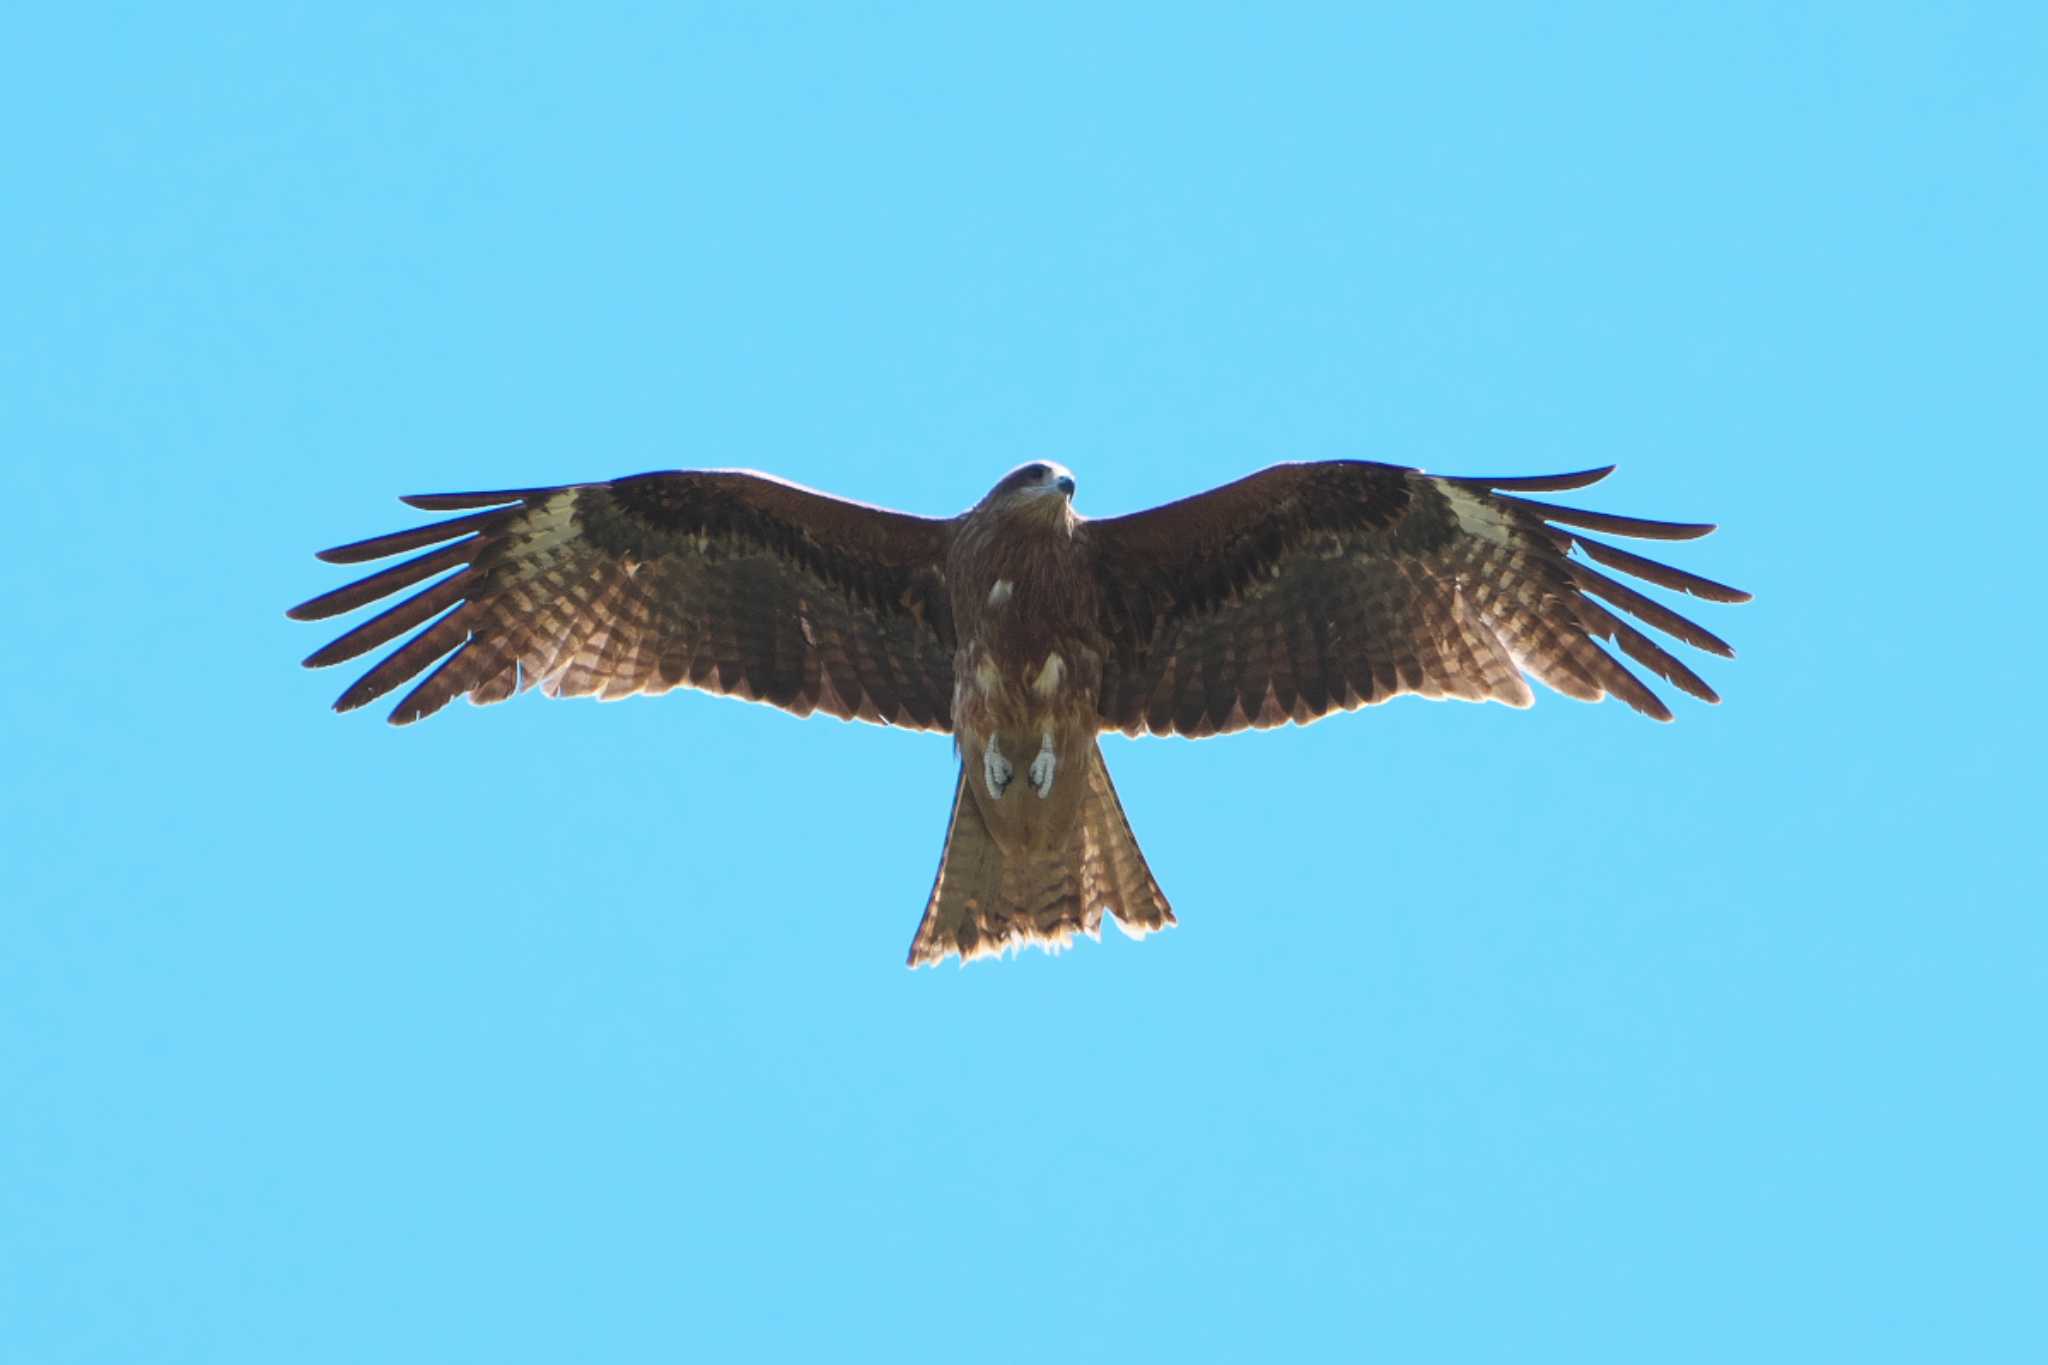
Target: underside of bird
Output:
[
  {"x": 988, "y": 902},
  {"x": 1025, "y": 630}
]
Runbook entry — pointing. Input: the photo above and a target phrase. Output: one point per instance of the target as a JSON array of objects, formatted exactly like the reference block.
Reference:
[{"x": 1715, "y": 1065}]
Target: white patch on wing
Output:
[
  {"x": 987, "y": 678},
  {"x": 1050, "y": 676},
  {"x": 545, "y": 537},
  {"x": 1000, "y": 593},
  {"x": 1476, "y": 515},
  {"x": 550, "y": 523}
]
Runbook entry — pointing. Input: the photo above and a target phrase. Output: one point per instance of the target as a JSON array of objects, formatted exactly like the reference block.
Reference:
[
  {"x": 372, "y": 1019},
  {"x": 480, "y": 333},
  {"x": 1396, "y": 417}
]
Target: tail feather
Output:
[{"x": 983, "y": 903}]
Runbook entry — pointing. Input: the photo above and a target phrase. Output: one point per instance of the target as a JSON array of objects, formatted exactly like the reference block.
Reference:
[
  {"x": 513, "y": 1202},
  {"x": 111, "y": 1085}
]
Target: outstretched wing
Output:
[
  {"x": 727, "y": 581},
  {"x": 1309, "y": 587}
]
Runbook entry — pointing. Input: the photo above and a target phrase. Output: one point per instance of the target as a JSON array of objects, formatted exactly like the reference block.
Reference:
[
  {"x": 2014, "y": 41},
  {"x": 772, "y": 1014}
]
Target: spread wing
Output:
[
  {"x": 727, "y": 581},
  {"x": 1309, "y": 587}
]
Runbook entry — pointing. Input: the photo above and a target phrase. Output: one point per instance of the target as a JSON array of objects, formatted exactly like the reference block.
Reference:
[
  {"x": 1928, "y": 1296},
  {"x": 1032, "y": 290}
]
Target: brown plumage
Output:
[{"x": 1024, "y": 629}]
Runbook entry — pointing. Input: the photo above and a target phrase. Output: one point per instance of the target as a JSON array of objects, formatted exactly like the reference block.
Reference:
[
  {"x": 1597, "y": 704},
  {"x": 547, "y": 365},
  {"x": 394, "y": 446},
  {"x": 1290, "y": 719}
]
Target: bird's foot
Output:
[
  {"x": 1041, "y": 768},
  {"x": 996, "y": 771}
]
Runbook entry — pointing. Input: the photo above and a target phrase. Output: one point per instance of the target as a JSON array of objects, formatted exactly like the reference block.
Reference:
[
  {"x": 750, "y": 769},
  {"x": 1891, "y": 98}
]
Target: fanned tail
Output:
[{"x": 983, "y": 903}]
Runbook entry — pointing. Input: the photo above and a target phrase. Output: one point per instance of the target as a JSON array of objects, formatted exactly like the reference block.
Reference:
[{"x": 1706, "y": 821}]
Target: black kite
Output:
[{"x": 1025, "y": 629}]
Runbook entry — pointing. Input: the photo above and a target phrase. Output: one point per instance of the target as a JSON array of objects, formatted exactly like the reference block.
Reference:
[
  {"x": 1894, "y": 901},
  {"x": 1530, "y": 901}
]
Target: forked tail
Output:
[{"x": 985, "y": 903}]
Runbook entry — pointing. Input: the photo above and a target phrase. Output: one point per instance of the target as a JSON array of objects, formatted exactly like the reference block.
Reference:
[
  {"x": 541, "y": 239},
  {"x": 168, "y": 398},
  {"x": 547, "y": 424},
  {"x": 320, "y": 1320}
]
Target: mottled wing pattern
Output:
[
  {"x": 1312, "y": 587},
  {"x": 726, "y": 581}
]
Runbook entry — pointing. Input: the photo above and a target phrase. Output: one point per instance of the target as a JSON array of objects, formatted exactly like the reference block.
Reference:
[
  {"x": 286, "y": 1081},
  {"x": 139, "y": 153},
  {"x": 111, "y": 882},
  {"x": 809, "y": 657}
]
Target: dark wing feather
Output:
[
  {"x": 727, "y": 581},
  {"x": 1312, "y": 587}
]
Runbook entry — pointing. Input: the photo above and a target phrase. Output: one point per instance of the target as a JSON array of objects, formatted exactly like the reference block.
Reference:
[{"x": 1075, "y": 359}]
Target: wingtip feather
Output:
[
  {"x": 1540, "y": 483},
  {"x": 456, "y": 502},
  {"x": 1639, "y": 528}
]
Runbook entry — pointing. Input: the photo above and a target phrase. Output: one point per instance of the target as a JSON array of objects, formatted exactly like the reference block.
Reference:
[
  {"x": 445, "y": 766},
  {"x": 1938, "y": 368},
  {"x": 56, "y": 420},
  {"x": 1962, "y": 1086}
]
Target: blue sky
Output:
[{"x": 565, "y": 1031}]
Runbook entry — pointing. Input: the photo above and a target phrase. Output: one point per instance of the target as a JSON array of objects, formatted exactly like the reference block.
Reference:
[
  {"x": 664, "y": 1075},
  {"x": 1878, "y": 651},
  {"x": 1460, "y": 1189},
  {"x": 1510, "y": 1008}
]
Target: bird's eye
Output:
[{"x": 1038, "y": 472}]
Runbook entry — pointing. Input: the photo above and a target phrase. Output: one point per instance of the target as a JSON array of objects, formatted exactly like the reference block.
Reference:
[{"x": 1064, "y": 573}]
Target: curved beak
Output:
[{"x": 1065, "y": 483}]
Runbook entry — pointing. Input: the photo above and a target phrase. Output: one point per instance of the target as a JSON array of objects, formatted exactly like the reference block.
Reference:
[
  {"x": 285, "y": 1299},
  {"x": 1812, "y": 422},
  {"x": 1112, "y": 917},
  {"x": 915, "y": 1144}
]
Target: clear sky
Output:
[{"x": 559, "y": 1031}]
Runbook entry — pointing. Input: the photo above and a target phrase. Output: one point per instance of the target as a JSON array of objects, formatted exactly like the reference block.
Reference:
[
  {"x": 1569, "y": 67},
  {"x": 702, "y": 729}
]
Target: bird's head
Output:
[{"x": 1040, "y": 487}]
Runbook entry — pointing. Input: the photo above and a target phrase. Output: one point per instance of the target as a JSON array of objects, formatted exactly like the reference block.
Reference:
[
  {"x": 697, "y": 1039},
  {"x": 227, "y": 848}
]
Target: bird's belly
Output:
[
  {"x": 1021, "y": 820},
  {"x": 1038, "y": 705},
  {"x": 1015, "y": 691}
]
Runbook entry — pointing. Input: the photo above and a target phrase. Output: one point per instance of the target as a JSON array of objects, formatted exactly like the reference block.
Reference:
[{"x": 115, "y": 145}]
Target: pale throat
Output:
[{"x": 1047, "y": 506}]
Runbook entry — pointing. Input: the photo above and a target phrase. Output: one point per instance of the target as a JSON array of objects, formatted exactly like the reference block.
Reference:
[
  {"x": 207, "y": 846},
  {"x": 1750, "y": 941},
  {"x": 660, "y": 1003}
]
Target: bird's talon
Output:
[
  {"x": 996, "y": 770},
  {"x": 1041, "y": 769}
]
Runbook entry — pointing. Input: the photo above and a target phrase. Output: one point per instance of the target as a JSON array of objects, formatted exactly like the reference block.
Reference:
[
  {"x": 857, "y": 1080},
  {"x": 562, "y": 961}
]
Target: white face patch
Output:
[
  {"x": 1476, "y": 516},
  {"x": 1050, "y": 676},
  {"x": 1000, "y": 593}
]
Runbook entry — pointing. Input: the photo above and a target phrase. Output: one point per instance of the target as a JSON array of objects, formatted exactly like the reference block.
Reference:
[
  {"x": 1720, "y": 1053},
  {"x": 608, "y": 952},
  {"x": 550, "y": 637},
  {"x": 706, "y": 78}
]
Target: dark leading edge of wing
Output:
[
  {"x": 1313, "y": 587},
  {"x": 726, "y": 581}
]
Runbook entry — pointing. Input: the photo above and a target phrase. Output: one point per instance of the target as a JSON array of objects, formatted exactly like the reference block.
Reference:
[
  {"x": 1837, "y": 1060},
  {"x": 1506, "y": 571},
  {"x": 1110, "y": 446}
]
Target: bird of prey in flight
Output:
[{"x": 1024, "y": 629}]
